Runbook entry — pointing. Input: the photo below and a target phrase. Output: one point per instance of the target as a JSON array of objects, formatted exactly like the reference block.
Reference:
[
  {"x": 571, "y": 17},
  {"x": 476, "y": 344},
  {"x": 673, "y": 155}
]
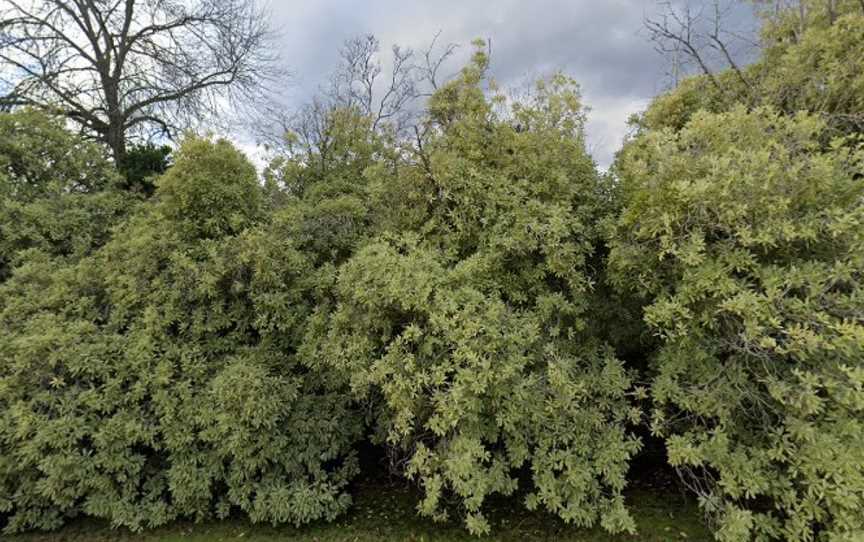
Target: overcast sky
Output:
[{"x": 599, "y": 42}]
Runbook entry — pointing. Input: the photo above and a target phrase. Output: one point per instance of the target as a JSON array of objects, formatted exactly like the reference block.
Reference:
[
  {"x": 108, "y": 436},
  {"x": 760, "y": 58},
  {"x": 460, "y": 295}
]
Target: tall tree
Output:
[{"x": 133, "y": 68}]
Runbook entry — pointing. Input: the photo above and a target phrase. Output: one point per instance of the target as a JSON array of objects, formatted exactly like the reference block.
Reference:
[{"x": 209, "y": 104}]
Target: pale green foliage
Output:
[
  {"x": 822, "y": 72},
  {"x": 320, "y": 188},
  {"x": 156, "y": 379},
  {"x": 63, "y": 224},
  {"x": 192, "y": 198},
  {"x": 747, "y": 240},
  {"x": 674, "y": 108},
  {"x": 58, "y": 193},
  {"x": 464, "y": 323},
  {"x": 38, "y": 156}
]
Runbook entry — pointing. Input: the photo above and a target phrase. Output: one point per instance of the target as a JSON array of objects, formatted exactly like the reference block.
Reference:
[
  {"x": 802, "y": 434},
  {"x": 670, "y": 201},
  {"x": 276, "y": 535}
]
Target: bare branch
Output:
[
  {"x": 124, "y": 67},
  {"x": 676, "y": 32},
  {"x": 386, "y": 89},
  {"x": 718, "y": 44},
  {"x": 699, "y": 37},
  {"x": 433, "y": 63}
]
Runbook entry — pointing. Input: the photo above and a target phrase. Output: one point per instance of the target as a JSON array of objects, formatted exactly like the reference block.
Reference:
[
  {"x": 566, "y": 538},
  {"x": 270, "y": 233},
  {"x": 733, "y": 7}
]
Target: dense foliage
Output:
[
  {"x": 185, "y": 339},
  {"x": 741, "y": 232},
  {"x": 746, "y": 239},
  {"x": 58, "y": 193},
  {"x": 154, "y": 379},
  {"x": 466, "y": 326}
]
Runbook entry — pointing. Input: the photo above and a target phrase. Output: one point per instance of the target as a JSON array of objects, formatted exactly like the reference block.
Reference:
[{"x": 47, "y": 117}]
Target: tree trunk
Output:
[{"x": 116, "y": 139}]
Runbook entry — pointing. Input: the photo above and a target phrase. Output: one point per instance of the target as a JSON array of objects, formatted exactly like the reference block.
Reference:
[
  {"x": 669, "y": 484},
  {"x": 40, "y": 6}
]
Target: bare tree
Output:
[
  {"x": 361, "y": 82},
  {"x": 357, "y": 83},
  {"x": 133, "y": 68},
  {"x": 698, "y": 36},
  {"x": 386, "y": 90}
]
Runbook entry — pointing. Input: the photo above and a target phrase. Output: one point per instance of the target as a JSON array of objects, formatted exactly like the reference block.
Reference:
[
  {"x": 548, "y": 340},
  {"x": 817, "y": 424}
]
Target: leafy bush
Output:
[
  {"x": 747, "y": 241},
  {"x": 320, "y": 191},
  {"x": 822, "y": 72},
  {"x": 58, "y": 193},
  {"x": 466, "y": 328},
  {"x": 155, "y": 379},
  {"x": 38, "y": 156},
  {"x": 464, "y": 298}
]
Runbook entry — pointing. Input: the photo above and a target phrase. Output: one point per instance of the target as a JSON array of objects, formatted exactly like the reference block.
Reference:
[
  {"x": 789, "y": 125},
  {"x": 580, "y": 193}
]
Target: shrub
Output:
[
  {"x": 58, "y": 192},
  {"x": 823, "y": 72},
  {"x": 211, "y": 191},
  {"x": 745, "y": 239},
  {"x": 38, "y": 156},
  {"x": 464, "y": 324},
  {"x": 156, "y": 378},
  {"x": 811, "y": 65}
]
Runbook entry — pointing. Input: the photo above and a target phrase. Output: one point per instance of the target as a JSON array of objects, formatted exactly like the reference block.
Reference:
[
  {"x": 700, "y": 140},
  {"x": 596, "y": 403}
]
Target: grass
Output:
[{"x": 385, "y": 513}]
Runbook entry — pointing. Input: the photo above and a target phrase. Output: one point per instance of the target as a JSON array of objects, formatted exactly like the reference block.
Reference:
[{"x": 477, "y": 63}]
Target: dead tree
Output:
[
  {"x": 133, "y": 68},
  {"x": 386, "y": 89},
  {"x": 698, "y": 37}
]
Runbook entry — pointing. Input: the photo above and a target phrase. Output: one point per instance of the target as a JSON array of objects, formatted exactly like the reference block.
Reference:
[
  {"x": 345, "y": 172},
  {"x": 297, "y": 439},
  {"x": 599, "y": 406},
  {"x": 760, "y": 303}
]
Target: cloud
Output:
[
  {"x": 607, "y": 125},
  {"x": 600, "y": 43}
]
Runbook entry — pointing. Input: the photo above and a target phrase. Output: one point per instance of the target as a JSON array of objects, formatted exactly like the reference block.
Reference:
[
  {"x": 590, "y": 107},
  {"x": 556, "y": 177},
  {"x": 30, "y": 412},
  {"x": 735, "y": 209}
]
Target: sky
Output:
[{"x": 601, "y": 43}]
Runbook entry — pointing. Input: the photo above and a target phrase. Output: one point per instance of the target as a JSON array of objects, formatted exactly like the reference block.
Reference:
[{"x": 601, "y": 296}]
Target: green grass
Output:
[{"x": 384, "y": 513}]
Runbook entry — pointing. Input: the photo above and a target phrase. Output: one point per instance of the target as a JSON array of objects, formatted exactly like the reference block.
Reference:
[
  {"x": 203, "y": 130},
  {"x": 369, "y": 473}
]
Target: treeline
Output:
[{"x": 476, "y": 299}]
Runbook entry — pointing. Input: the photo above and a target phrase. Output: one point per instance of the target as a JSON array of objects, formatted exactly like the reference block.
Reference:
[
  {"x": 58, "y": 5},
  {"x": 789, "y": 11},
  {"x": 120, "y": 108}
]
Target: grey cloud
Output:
[{"x": 599, "y": 42}]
